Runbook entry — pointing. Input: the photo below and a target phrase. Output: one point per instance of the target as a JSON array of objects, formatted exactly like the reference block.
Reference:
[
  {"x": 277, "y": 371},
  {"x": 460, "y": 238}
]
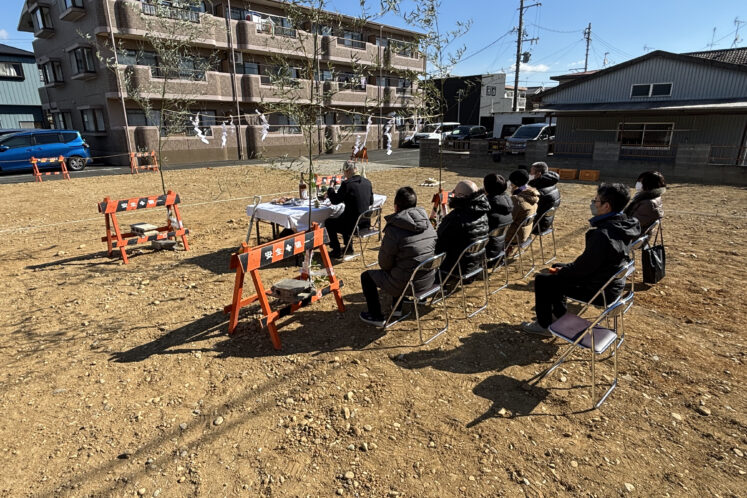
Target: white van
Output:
[{"x": 434, "y": 131}]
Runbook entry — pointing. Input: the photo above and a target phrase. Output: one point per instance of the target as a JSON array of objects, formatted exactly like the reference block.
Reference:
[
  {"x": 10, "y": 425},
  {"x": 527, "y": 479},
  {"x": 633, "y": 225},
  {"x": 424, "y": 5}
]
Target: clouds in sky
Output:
[
  {"x": 531, "y": 68},
  {"x": 4, "y": 34}
]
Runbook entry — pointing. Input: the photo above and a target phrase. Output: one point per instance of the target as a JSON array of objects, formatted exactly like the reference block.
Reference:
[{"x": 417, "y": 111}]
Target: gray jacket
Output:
[{"x": 409, "y": 239}]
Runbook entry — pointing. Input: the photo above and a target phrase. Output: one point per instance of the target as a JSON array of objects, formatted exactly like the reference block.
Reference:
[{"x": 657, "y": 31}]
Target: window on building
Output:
[
  {"x": 651, "y": 90},
  {"x": 62, "y": 120},
  {"x": 41, "y": 18},
  {"x": 51, "y": 72},
  {"x": 137, "y": 58},
  {"x": 247, "y": 68},
  {"x": 658, "y": 135},
  {"x": 69, "y": 4},
  {"x": 137, "y": 117},
  {"x": 93, "y": 120},
  {"x": 82, "y": 59},
  {"x": 11, "y": 71},
  {"x": 322, "y": 30}
]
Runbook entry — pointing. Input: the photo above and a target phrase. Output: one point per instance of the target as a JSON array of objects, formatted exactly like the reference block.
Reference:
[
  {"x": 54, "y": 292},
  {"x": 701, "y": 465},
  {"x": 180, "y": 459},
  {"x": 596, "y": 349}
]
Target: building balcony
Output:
[
  {"x": 404, "y": 56},
  {"x": 194, "y": 85},
  {"x": 72, "y": 13},
  {"x": 256, "y": 88}
]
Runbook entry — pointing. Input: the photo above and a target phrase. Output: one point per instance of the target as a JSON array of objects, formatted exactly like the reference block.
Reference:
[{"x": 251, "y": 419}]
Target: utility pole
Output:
[
  {"x": 587, "y": 35},
  {"x": 519, "y": 40},
  {"x": 232, "y": 67}
]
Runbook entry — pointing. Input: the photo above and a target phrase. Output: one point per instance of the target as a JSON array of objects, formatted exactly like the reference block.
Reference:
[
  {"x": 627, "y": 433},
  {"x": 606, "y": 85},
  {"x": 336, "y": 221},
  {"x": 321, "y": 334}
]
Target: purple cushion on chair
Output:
[{"x": 569, "y": 326}]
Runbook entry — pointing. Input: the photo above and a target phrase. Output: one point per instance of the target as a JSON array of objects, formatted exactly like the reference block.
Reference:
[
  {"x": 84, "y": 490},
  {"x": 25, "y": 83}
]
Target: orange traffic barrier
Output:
[
  {"x": 252, "y": 259},
  {"x": 589, "y": 175},
  {"x": 567, "y": 174},
  {"x": 35, "y": 161},
  {"x": 174, "y": 227},
  {"x": 361, "y": 155},
  {"x": 327, "y": 180},
  {"x": 135, "y": 161}
]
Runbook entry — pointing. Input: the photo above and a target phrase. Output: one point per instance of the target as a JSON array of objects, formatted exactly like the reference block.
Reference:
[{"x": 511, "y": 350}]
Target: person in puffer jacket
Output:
[
  {"x": 500, "y": 210},
  {"x": 409, "y": 239},
  {"x": 607, "y": 251},
  {"x": 646, "y": 205},
  {"x": 545, "y": 181},
  {"x": 466, "y": 223},
  {"x": 525, "y": 199}
]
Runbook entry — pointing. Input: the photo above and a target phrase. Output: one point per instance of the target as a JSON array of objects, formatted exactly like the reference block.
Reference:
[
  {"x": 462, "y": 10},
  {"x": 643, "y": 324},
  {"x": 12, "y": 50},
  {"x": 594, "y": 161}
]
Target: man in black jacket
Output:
[
  {"x": 607, "y": 251},
  {"x": 501, "y": 208},
  {"x": 409, "y": 239},
  {"x": 545, "y": 181},
  {"x": 357, "y": 195},
  {"x": 466, "y": 223}
]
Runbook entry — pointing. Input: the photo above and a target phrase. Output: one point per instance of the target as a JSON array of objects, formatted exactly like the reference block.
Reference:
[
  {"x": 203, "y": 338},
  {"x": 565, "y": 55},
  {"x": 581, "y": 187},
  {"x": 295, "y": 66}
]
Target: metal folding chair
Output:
[
  {"x": 477, "y": 247},
  {"x": 499, "y": 259},
  {"x": 591, "y": 336},
  {"x": 549, "y": 231},
  {"x": 430, "y": 264},
  {"x": 374, "y": 229},
  {"x": 521, "y": 248}
]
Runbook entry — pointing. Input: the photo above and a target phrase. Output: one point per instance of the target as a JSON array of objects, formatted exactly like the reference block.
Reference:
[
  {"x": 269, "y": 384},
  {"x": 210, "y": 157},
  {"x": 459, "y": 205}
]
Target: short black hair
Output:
[
  {"x": 616, "y": 194},
  {"x": 405, "y": 198},
  {"x": 652, "y": 180},
  {"x": 494, "y": 184}
]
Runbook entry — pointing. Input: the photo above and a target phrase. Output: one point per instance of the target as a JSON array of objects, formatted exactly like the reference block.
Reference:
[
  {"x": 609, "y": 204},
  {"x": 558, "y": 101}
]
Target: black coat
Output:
[
  {"x": 606, "y": 252},
  {"x": 357, "y": 195},
  {"x": 501, "y": 207},
  {"x": 409, "y": 239},
  {"x": 466, "y": 223},
  {"x": 546, "y": 185}
]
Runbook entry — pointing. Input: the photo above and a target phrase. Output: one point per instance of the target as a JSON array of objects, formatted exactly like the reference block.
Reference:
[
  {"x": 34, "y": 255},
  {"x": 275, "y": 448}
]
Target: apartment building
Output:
[{"x": 365, "y": 69}]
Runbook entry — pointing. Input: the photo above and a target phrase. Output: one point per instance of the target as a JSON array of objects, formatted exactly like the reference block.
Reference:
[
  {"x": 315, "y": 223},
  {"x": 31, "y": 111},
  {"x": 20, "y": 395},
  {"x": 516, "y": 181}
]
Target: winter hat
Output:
[
  {"x": 494, "y": 184},
  {"x": 519, "y": 177}
]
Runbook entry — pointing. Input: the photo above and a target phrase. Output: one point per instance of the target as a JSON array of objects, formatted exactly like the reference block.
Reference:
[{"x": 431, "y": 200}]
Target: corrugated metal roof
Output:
[
  {"x": 8, "y": 50},
  {"x": 730, "y": 55},
  {"x": 665, "y": 106}
]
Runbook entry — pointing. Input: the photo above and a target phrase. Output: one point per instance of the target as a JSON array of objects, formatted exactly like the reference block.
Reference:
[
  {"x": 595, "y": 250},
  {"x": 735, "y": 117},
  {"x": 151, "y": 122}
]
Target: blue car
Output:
[{"x": 17, "y": 149}]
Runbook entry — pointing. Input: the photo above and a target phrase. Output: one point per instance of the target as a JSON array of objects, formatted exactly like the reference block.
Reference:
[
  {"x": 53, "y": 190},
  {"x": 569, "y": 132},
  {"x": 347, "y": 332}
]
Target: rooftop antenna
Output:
[
  {"x": 646, "y": 48},
  {"x": 737, "y": 39},
  {"x": 606, "y": 60},
  {"x": 713, "y": 36}
]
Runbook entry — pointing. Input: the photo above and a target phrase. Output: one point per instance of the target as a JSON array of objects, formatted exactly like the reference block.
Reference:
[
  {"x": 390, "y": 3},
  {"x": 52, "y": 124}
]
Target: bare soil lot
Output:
[{"x": 121, "y": 379}]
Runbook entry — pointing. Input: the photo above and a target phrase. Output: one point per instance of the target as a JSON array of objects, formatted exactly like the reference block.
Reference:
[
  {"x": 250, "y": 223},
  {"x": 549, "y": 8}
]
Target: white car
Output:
[{"x": 433, "y": 131}]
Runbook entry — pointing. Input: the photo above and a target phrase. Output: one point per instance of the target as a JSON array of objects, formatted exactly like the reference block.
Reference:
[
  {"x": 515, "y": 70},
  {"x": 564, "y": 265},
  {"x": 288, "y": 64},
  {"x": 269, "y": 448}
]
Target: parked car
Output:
[
  {"x": 433, "y": 131},
  {"x": 467, "y": 132},
  {"x": 17, "y": 149},
  {"x": 6, "y": 131},
  {"x": 517, "y": 143}
]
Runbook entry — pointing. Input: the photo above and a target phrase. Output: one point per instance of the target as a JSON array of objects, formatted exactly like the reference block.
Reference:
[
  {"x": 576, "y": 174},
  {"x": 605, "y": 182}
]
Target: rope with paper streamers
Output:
[{"x": 388, "y": 135}]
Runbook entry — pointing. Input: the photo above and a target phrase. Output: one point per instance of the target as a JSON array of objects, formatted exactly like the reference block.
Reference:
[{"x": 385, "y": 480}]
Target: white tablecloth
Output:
[{"x": 297, "y": 217}]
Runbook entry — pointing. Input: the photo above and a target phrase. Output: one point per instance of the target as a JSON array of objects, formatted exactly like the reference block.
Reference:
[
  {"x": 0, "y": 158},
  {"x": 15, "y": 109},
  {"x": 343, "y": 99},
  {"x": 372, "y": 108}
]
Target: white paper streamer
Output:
[
  {"x": 224, "y": 135},
  {"x": 200, "y": 135},
  {"x": 357, "y": 145},
  {"x": 233, "y": 130},
  {"x": 368, "y": 128},
  {"x": 265, "y": 125},
  {"x": 388, "y": 135},
  {"x": 416, "y": 127}
]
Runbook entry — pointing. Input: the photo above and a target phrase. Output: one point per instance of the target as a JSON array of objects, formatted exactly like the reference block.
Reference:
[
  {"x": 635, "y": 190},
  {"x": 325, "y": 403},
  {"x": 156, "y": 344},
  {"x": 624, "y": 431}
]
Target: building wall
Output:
[
  {"x": 21, "y": 116},
  {"x": 690, "y": 81},
  {"x": 25, "y": 92}
]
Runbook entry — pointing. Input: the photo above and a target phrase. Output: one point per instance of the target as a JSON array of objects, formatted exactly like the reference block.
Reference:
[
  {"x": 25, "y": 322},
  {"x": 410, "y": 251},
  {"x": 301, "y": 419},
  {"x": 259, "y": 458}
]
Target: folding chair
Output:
[
  {"x": 591, "y": 336},
  {"x": 432, "y": 263},
  {"x": 499, "y": 259},
  {"x": 373, "y": 215},
  {"x": 522, "y": 248},
  {"x": 549, "y": 231},
  {"x": 476, "y": 247}
]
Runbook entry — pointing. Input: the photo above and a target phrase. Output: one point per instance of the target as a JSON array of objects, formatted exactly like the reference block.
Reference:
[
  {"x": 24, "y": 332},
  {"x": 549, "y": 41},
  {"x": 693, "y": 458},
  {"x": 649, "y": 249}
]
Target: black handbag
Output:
[{"x": 654, "y": 259}]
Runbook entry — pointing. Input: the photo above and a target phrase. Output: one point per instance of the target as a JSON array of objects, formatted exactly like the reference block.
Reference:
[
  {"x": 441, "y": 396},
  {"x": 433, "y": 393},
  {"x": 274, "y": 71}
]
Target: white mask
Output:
[{"x": 638, "y": 186}]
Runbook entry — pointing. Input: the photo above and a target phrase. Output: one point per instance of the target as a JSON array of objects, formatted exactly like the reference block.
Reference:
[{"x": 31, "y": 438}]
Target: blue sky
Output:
[{"x": 621, "y": 28}]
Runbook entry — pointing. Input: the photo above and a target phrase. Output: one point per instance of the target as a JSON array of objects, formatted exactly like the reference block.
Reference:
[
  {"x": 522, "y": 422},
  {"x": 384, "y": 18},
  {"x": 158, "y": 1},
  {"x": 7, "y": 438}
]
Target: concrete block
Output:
[
  {"x": 163, "y": 244},
  {"x": 142, "y": 228}
]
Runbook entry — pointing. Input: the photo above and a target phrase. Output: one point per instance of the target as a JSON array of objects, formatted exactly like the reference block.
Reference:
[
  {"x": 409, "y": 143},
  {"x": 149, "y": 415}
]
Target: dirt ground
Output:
[{"x": 121, "y": 379}]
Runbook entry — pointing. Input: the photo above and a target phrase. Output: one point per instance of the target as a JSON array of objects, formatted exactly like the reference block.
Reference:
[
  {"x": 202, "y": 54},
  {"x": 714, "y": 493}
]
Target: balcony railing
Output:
[
  {"x": 404, "y": 49},
  {"x": 285, "y": 129},
  {"x": 351, "y": 43},
  {"x": 267, "y": 80},
  {"x": 274, "y": 29},
  {"x": 168, "y": 12},
  {"x": 178, "y": 74}
]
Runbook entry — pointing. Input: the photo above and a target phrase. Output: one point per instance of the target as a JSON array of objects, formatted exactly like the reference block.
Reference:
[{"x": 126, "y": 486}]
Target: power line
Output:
[
  {"x": 557, "y": 30},
  {"x": 486, "y": 46}
]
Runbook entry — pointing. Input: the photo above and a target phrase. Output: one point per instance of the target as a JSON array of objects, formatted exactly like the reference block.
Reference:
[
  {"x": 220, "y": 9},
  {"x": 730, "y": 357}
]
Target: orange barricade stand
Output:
[
  {"x": 252, "y": 259},
  {"x": 361, "y": 155},
  {"x": 35, "y": 161},
  {"x": 135, "y": 161},
  {"x": 440, "y": 203},
  {"x": 327, "y": 180},
  {"x": 119, "y": 240}
]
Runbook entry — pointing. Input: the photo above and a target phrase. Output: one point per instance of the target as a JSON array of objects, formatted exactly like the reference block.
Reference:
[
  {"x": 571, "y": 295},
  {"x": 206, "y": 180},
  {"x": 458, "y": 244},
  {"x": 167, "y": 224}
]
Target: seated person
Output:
[
  {"x": 500, "y": 210},
  {"x": 357, "y": 195},
  {"x": 409, "y": 239},
  {"x": 466, "y": 222},
  {"x": 646, "y": 205},
  {"x": 525, "y": 199},
  {"x": 607, "y": 251},
  {"x": 545, "y": 182}
]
